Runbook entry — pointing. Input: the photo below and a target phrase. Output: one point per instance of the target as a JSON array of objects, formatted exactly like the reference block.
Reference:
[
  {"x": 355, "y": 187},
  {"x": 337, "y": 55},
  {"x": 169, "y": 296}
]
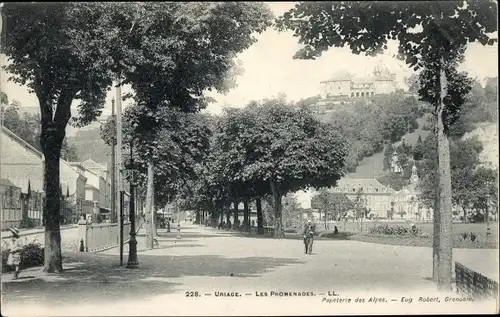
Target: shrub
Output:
[
  {"x": 32, "y": 254},
  {"x": 398, "y": 231},
  {"x": 468, "y": 236}
]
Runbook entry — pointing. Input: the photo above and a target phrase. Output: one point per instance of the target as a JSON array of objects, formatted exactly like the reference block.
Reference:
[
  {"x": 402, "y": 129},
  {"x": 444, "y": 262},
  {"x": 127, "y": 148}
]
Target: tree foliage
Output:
[
  {"x": 27, "y": 126},
  {"x": 168, "y": 52},
  {"x": 333, "y": 205},
  {"x": 471, "y": 180},
  {"x": 272, "y": 147},
  {"x": 367, "y": 26},
  {"x": 369, "y": 124}
]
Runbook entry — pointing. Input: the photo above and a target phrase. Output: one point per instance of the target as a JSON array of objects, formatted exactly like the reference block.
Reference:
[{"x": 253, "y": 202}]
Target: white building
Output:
[{"x": 343, "y": 85}]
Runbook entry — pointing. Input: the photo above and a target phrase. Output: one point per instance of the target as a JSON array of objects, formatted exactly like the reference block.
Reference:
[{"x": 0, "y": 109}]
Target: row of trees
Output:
[
  {"x": 260, "y": 153},
  {"x": 169, "y": 53}
]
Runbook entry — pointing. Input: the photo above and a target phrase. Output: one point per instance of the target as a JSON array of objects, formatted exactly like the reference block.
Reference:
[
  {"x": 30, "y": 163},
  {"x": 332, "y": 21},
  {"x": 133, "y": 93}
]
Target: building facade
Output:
[
  {"x": 378, "y": 197},
  {"x": 381, "y": 200},
  {"x": 23, "y": 165},
  {"x": 344, "y": 86},
  {"x": 10, "y": 200},
  {"x": 98, "y": 187}
]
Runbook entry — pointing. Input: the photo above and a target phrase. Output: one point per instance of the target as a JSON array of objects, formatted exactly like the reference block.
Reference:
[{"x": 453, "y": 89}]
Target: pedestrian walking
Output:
[
  {"x": 15, "y": 247},
  {"x": 309, "y": 230}
]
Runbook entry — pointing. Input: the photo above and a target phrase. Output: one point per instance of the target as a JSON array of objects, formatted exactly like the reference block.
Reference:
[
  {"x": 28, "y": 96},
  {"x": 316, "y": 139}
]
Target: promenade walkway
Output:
[{"x": 207, "y": 261}]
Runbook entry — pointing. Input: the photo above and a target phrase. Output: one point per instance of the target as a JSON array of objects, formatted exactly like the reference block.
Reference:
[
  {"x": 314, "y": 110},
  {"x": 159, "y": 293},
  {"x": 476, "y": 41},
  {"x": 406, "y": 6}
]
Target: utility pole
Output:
[
  {"x": 132, "y": 244},
  {"x": 119, "y": 162},
  {"x": 1, "y": 102},
  {"x": 113, "y": 165}
]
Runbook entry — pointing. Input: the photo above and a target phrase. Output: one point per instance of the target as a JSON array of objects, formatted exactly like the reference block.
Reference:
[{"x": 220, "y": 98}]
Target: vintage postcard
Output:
[{"x": 249, "y": 158}]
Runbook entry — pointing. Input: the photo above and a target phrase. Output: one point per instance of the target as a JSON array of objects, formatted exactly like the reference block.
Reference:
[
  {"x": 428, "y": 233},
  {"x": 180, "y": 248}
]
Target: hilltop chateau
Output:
[{"x": 342, "y": 85}]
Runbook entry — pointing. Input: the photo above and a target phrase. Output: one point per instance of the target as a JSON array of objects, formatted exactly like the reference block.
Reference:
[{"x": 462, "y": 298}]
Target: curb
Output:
[{"x": 38, "y": 231}]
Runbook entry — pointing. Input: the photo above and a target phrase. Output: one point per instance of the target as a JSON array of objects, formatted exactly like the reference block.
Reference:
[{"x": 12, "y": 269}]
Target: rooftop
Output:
[{"x": 6, "y": 182}]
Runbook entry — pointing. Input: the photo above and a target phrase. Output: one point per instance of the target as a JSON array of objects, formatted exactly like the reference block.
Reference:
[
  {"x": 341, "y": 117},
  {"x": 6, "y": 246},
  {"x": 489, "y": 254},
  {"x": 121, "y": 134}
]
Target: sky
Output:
[{"x": 271, "y": 70}]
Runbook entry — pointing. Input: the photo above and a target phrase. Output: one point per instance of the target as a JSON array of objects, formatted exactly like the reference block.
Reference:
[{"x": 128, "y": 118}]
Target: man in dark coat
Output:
[{"x": 309, "y": 230}]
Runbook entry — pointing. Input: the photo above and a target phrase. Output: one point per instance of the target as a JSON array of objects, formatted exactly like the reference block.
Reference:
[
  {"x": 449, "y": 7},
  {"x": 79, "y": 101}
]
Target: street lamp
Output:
[
  {"x": 486, "y": 213},
  {"x": 488, "y": 233},
  {"x": 178, "y": 215}
]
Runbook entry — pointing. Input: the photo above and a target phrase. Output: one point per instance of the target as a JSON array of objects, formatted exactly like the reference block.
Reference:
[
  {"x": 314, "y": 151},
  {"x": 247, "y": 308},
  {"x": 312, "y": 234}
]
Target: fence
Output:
[
  {"x": 100, "y": 236},
  {"x": 475, "y": 285}
]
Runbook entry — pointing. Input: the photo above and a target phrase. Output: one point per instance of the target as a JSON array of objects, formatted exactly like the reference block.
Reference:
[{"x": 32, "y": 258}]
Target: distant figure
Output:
[
  {"x": 413, "y": 228},
  {"x": 309, "y": 230},
  {"x": 15, "y": 248},
  {"x": 335, "y": 230},
  {"x": 253, "y": 223}
]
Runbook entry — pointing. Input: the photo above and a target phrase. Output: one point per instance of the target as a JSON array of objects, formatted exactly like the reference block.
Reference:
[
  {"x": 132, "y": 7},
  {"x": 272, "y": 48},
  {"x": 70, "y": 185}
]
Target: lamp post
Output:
[
  {"x": 132, "y": 262},
  {"x": 178, "y": 215},
  {"x": 487, "y": 215}
]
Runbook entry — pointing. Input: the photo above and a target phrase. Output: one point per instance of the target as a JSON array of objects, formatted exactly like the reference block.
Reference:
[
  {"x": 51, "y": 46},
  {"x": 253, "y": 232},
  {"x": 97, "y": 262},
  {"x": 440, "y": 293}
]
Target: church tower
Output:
[
  {"x": 395, "y": 166},
  {"x": 414, "y": 175}
]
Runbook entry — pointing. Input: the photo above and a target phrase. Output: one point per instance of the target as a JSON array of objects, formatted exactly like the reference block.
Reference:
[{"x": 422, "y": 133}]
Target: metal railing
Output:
[
  {"x": 100, "y": 236},
  {"x": 473, "y": 284}
]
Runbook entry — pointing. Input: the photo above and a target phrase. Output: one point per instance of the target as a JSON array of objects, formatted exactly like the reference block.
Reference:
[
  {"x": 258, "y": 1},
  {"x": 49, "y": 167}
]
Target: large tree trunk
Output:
[
  {"x": 235, "y": 213},
  {"x": 324, "y": 213},
  {"x": 149, "y": 206},
  {"x": 213, "y": 215},
  {"x": 260, "y": 216},
  {"x": 278, "y": 224},
  {"x": 220, "y": 211},
  {"x": 51, "y": 143},
  {"x": 435, "y": 235},
  {"x": 246, "y": 214},
  {"x": 445, "y": 204}
]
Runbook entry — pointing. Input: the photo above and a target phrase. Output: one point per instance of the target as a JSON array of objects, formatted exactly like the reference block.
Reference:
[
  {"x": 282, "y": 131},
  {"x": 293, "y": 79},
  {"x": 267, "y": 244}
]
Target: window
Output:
[
  {"x": 373, "y": 93},
  {"x": 357, "y": 94},
  {"x": 362, "y": 94},
  {"x": 352, "y": 94}
]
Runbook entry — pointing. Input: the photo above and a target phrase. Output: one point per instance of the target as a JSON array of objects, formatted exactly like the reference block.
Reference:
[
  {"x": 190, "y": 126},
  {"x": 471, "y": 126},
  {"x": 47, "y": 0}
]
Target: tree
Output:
[
  {"x": 73, "y": 51},
  {"x": 413, "y": 83},
  {"x": 445, "y": 30},
  {"x": 323, "y": 201},
  {"x": 292, "y": 213},
  {"x": 333, "y": 204},
  {"x": 61, "y": 52},
  {"x": 183, "y": 61},
  {"x": 389, "y": 149},
  {"x": 418, "y": 150},
  {"x": 27, "y": 127},
  {"x": 282, "y": 149}
]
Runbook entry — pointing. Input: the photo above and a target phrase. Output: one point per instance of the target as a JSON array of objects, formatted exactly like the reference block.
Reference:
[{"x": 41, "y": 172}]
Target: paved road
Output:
[{"x": 205, "y": 261}]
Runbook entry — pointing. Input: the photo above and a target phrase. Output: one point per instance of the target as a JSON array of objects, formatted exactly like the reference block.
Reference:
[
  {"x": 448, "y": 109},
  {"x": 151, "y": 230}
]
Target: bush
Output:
[
  {"x": 398, "y": 231},
  {"x": 32, "y": 255},
  {"x": 468, "y": 236}
]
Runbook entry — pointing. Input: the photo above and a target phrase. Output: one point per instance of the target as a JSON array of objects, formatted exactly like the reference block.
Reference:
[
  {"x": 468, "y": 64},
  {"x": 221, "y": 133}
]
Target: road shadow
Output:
[
  {"x": 294, "y": 236},
  {"x": 177, "y": 245},
  {"x": 96, "y": 278},
  {"x": 184, "y": 235}
]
